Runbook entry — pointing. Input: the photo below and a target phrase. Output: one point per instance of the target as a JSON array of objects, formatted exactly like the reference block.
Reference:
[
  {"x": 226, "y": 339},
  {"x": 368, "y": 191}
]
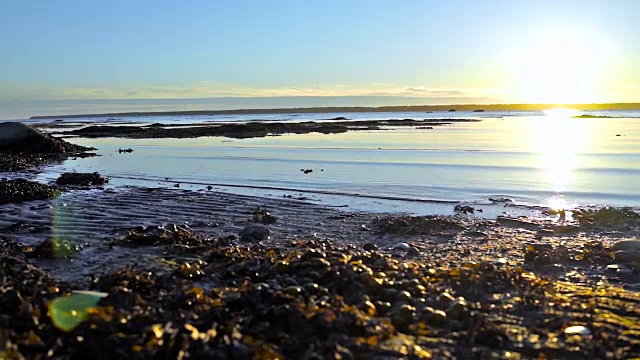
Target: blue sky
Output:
[{"x": 449, "y": 50}]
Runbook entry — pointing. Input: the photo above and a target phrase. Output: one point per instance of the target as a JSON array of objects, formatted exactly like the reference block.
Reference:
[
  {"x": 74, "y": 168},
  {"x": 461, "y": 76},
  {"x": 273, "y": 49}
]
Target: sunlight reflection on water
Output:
[{"x": 560, "y": 138}]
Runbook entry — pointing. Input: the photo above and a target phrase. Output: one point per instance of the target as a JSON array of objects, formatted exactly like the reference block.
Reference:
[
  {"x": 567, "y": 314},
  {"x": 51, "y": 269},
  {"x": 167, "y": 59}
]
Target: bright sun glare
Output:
[
  {"x": 559, "y": 137},
  {"x": 559, "y": 67}
]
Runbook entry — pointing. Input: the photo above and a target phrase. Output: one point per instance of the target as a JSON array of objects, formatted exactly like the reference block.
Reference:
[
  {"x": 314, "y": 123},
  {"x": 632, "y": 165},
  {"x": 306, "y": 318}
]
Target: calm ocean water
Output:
[{"x": 532, "y": 158}]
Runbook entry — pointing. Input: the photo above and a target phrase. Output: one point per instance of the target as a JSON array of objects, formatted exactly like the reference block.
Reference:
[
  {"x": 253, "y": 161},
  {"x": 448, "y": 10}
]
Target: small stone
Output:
[
  {"x": 627, "y": 245},
  {"x": 382, "y": 307},
  {"x": 254, "y": 233},
  {"x": 293, "y": 290},
  {"x": 459, "y": 309},
  {"x": 624, "y": 256},
  {"x": 368, "y": 307},
  {"x": 435, "y": 318},
  {"x": 500, "y": 262},
  {"x": 577, "y": 330},
  {"x": 389, "y": 294},
  {"x": 413, "y": 252},
  {"x": 311, "y": 288},
  {"x": 370, "y": 247},
  {"x": 402, "y": 247},
  {"x": 403, "y": 296}
]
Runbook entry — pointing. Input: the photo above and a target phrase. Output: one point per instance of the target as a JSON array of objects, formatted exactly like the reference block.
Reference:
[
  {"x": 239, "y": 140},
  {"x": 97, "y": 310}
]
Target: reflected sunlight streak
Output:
[{"x": 559, "y": 137}]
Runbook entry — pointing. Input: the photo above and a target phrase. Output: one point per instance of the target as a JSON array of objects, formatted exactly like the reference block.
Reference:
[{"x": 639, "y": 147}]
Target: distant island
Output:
[{"x": 412, "y": 108}]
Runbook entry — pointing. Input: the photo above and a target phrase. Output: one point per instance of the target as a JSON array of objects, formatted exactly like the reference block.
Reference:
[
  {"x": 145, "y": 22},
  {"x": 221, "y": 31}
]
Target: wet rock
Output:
[
  {"x": 627, "y": 245},
  {"x": 418, "y": 225},
  {"x": 370, "y": 247},
  {"x": 464, "y": 209},
  {"x": 20, "y": 190},
  {"x": 51, "y": 248},
  {"x": 81, "y": 179},
  {"x": 435, "y": 318},
  {"x": 412, "y": 252},
  {"x": 262, "y": 216},
  {"x": 293, "y": 290},
  {"x": 458, "y": 309},
  {"x": 120, "y": 151},
  {"x": 18, "y": 137},
  {"x": 389, "y": 294},
  {"x": 174, "y": 235},
  {"x": 402, "y": 247},
  {"x": 403, "y": 297},
  {"x": 254, "y": 233},
  {"x": 630, "y": 256},
  {"x": 403, "y": 316},
  {"x": 609, "y": 218},
  {"x": 191, "y": 270},
  {"x": 521, "y": 223},
  {"x": 577, "y": 330}
]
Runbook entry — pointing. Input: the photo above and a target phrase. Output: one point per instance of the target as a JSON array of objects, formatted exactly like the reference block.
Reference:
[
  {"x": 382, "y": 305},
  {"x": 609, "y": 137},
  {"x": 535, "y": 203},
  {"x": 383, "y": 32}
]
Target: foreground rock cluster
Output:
[
  {"x": 314, "y": 299},
  {"x": 23, "y": 147}
]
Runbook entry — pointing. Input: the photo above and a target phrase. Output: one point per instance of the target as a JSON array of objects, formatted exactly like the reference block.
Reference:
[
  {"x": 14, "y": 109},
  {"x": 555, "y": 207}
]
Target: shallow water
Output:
[{"x": 534, "y": 159}]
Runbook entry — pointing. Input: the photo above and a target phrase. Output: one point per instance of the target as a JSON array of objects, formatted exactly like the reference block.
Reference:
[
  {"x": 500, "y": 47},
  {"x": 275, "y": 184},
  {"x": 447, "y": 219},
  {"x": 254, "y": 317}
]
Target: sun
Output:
[{"x": 559, "y": 67}]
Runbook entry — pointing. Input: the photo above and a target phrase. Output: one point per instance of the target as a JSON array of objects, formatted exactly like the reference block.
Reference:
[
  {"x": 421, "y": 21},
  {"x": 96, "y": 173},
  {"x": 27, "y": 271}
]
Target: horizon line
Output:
[{"x": 389, "y": 108}]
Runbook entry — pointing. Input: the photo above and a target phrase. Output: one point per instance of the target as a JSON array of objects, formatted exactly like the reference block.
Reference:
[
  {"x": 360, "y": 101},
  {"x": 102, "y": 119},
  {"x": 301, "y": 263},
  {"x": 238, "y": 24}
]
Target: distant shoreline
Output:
[{"x": 355, "y": 109}]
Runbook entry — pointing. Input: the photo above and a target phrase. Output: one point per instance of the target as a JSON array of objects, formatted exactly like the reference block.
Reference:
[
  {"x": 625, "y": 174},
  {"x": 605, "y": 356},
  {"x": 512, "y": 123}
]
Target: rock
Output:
[
  {"x": 389, "y": 294},
  {"x": 435, "y": 318},
  {"x": 402, "y": 247},
  {"x": 262, "y": 216},
  {"x": 577, "y": 330},
  {"x": 623, "y": 256},
  {"x": 254, "y": 233},
  {"x": 370, "y": 247},
  {"x": 81, "y": 179},
  {"x": 464, "y": 209},
  {"x": 627, "y": 245},
  {"x": 403, "y": 316},
  {"x": 19, "y": 190},
  {"x": 412, "y": 252},
  {"x": 20, "y": 138}
]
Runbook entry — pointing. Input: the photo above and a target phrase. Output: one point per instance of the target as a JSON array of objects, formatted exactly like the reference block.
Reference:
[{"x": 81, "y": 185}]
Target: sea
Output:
[{"x": 503, "y": 163}]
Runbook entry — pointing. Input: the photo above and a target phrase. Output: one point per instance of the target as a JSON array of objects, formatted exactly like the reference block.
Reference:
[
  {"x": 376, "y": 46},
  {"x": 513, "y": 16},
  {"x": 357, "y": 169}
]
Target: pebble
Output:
[
  {"x": 627, "y": 245},
  {"x": 402, "y": 247},
  {"x": 577, "y": 330},
  {"x": 631, "y": 256},
  {"x": 389, "y": 294},
  {"x": 293, "y": 290},
  {"x": 435, "y": 318},
  {"x": 370, "y": 247},
  {"x": 413, "y": 252},
  {"x": 254, "y": 233}
]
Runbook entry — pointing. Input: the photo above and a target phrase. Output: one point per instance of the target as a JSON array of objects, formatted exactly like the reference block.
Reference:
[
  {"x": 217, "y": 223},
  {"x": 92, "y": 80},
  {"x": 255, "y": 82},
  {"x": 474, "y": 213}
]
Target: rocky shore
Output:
[{"x": 138, "y": 273}]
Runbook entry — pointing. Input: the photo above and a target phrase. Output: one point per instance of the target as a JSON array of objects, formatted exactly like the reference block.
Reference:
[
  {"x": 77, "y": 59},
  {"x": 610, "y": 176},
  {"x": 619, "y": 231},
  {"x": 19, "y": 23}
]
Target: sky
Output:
[{"x": 443, "y": 51}]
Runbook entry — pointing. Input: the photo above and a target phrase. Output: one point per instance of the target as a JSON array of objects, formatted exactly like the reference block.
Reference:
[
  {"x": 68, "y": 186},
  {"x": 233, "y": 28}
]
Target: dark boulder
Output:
[
  {"x": 81, "y": 179},
  {"x": 20, "y": 138}
]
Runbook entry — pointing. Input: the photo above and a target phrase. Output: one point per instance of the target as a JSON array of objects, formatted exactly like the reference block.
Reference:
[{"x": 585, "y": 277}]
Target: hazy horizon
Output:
[{"x": 25, "y": 109}]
